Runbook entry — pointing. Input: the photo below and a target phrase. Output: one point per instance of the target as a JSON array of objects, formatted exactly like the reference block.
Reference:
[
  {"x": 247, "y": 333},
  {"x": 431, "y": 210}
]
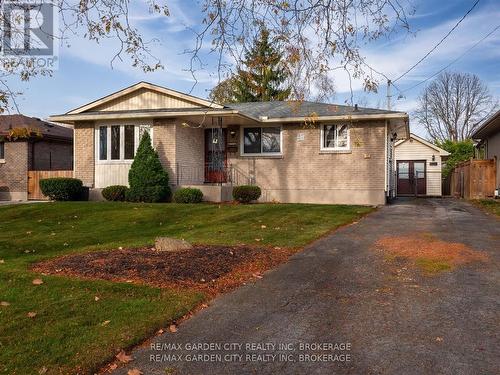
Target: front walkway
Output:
[{"x": 340, "y": 290}]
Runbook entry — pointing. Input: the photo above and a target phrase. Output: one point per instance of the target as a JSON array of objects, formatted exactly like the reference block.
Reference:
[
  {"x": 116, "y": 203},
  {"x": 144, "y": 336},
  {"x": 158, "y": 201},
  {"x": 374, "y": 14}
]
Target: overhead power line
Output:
[
  {"x": 454, "y": 61},
  {"x": 439, "y": 43}
]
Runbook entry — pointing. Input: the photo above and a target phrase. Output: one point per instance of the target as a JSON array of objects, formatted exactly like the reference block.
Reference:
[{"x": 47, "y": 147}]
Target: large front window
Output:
[
  {"x": 262, "y": 140},
  {"x": 335, "y": 137},
  {"x": 119, "y": 142}
]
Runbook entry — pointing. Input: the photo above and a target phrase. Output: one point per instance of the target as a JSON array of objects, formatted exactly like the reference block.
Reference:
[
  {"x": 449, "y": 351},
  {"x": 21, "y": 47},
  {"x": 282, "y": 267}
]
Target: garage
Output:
[{"x": 418, "y": 167}]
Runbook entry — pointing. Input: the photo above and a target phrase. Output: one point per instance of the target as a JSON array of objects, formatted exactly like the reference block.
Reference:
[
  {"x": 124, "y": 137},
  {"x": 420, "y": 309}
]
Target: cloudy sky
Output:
[{"x": 85, "y": 74}]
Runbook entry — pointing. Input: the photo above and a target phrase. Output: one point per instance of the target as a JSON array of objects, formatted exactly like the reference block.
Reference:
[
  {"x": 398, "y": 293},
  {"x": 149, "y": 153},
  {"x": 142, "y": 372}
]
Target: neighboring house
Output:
[
  {"x": 295, "y": 151},
  {"x": 488, "y": 136},
  {"x": 30, "y": 144},
  {"x": 418, "y": 167}
]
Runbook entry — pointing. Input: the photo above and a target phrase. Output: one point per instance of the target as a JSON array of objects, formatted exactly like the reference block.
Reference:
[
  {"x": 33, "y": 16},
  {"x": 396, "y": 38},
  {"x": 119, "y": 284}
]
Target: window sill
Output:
[
  {"x": 112, "y": 162},
  {"x": 2, "y": 161},
  {"x": 335, "y": 151},
  {"x": 262, "y": 156}
]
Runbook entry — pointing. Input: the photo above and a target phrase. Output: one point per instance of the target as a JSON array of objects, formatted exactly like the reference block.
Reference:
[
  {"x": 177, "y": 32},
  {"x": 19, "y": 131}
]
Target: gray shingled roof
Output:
[
  {"x": 284, "y": 109},
  {"x": 47, "y": 129}
]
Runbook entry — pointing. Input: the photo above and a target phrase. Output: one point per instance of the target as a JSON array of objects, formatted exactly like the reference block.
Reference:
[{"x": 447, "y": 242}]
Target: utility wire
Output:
[
  {"x": 439, "y": 43},
  {"x": 454, "y": 61}
]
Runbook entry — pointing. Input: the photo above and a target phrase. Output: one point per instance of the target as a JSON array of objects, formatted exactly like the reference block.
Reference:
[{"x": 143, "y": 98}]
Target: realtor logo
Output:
[{"x": 28, "y": 32}]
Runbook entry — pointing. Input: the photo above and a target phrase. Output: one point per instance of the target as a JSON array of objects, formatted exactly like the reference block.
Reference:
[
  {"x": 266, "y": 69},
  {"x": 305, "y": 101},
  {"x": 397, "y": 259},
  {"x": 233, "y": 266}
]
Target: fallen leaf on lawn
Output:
[
  {"x": 439, "y": 339},
  {"x": 31, "y": 314},
  {"x": 113, "y": 366},
  {"x": 120, "y": 248},
  {"x": 277, "y": 248},
  {"x": 258, "y": 239},
  {"x": 28, "y": 232},
  {"x": 53, "y": 234},
  {"x": 263, "y": 226},
  {"x": 123, "y": 358},
  {"x": 96, "y": 298},
  {"x": 172, "y": 328},
  {"x": 105, "y": 323},
  {"x": 204, "y": 305},
  {"x": 37, "y": 282},
  {"x": 4, "y": 303},
  {"x": 43, "y": 370},
  {"x": 134, "y": 371},
  {"x": 2, "y": 261}
]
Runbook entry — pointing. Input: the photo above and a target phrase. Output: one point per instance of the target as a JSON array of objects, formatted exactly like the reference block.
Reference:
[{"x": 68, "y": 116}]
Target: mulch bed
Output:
[{"x": 210, "y": 269}]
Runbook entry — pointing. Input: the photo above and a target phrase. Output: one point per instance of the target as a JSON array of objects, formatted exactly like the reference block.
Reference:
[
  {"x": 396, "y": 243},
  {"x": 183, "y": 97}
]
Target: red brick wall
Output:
[{"x": 14, "y": 171}]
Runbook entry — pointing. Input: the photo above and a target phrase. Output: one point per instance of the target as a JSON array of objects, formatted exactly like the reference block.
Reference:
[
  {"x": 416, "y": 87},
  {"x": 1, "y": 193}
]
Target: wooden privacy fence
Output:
[
  {"x": 34, "y": 178},
  {"x": 474, "y": 179}
]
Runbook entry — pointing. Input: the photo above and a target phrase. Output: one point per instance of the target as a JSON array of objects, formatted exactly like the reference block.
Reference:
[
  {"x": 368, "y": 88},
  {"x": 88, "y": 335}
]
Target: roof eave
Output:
[{"x": 387, "y": 116}]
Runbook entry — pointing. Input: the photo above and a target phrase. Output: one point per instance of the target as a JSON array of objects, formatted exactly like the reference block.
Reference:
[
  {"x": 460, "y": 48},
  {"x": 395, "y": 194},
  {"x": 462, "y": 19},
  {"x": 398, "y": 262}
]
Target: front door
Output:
[
  {"x": 411, "y": 177},
  {"x": 215, "y": 155}
]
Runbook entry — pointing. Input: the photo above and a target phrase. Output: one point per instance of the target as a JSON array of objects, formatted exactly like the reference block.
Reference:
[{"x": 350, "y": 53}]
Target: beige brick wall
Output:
[
  {"x": 14, "y": 172},
  {"x": 84, "y": 154},
  {"x": 190, "y": 154},
  {"x": 305, "y": 174},
  {"x": 164, "y": 141}
]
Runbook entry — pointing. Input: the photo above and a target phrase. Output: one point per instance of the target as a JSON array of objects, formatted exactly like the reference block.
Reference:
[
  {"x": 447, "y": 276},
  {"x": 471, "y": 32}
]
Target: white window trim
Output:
[
  {"x": 122, "y": 141},
  {"x": 321, "y": 139},
  {"x": 242, "y": 141}
]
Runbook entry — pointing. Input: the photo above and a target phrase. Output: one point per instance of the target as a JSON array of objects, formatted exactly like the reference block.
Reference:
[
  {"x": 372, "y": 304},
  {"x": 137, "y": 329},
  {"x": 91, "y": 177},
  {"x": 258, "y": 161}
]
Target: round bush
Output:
[
  {"x": 62, "y": 188},
  {"x": 188, "y": 195},
  {"x": 114, "y": 192},
  {"x": 246, "y": 193},
  {"x": 149, "y": 194}
]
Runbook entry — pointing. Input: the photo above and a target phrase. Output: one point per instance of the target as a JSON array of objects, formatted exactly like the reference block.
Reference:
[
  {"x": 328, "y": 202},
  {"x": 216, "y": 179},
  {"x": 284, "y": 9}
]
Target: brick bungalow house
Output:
[
  {"x": 295, "y": 151},
  {"x": 30, "y": 144}
]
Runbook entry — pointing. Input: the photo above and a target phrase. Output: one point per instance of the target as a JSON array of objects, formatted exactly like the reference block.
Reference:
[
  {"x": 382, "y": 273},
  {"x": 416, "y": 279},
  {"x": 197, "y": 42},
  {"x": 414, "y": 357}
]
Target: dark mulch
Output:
[{"x": 210, "y": 268}]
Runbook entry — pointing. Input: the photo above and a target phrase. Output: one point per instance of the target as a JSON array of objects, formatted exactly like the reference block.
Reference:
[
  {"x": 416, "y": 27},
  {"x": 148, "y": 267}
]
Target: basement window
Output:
[
  {"x": 2, "y": 150},
  {"x": 262, "y": 141}
]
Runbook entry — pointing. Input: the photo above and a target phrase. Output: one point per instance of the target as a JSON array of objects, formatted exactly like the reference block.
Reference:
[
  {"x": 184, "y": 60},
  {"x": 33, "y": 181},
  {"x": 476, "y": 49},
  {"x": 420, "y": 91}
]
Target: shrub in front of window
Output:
[
  {"x": 147, "y": 179},
  {"x": 246, "y": 193},
  {"x": 62, "y": 188},
  {"x": 188, "y": 195},
  {"x": 114, "y": 192}
]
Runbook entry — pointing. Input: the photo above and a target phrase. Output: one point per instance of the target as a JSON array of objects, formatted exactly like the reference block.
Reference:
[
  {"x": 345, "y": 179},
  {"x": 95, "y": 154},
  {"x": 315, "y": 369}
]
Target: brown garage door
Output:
[{"x": 412, "y": 177}]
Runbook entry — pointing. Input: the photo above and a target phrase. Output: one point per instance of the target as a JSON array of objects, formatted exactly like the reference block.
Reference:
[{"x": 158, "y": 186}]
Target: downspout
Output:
[{"x": 386, "y": 160}]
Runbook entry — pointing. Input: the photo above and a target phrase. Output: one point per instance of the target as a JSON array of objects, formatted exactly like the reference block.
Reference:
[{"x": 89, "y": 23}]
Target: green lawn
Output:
[
  {"x": 71, "y": 332},
  {"x": 490, "y": 205}
]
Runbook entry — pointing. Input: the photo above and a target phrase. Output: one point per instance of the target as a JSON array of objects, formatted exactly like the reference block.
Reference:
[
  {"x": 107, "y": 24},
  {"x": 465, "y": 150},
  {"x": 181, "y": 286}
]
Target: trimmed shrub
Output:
[
  {"x": 114, "y": 192},
  {"x": 62, "y": 188},
  {"x": 188, "y": 195},
  {"x": 147, "y": 179},
  {"x": 246, "y": 193}
]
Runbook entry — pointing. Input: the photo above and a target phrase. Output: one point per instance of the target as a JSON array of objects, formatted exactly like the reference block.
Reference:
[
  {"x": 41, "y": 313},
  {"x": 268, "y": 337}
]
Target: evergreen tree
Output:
[
  {"x": 147, "y": 179},
  {"x": 263, "y": 77}
]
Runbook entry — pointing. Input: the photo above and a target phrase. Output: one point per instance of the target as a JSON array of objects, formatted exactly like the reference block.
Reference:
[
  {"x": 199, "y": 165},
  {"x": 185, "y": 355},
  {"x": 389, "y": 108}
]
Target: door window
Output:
[
  {"x": 403, "y": 170},
  {"x": 419, "y": 169}
]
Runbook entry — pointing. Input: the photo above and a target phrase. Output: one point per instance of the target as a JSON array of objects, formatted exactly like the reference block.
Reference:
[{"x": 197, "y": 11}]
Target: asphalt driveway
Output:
[{"x": 339, "y": 307}]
